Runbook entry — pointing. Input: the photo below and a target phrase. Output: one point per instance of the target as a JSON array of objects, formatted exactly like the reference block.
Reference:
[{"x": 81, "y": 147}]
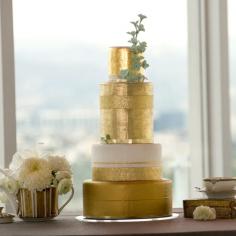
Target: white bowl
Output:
[
  {"x": 219, "y": 184},
  {"x": 217, "y": 195}
]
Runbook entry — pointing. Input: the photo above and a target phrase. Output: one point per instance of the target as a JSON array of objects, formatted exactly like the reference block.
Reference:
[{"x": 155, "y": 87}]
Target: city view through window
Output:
[{"x": 61, "y": 54}]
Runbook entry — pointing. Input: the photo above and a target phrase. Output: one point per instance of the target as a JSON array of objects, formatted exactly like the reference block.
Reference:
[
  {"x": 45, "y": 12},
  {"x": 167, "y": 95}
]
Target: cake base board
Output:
[{"x": 93, "y": 220}]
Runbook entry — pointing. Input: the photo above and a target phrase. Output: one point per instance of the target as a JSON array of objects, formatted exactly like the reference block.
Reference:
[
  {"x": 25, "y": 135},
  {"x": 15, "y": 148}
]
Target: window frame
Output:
[
  {"x": 209, "y": 114},
  {"x": 209, "y": 103},
  {"x": 7, "y": 85}
]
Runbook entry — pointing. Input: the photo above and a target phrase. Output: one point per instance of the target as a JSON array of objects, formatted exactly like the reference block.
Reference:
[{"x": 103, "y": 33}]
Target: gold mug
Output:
[{"x": 40, "y": 205}]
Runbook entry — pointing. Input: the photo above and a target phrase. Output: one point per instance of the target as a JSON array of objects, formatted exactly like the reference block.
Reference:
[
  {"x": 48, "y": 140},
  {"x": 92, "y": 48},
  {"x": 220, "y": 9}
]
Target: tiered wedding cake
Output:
[{"x": 126, "y": 167}]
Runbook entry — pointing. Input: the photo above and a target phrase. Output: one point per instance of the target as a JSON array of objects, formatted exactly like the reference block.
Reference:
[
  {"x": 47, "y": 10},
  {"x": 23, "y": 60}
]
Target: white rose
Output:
[
  {"x": 35, "y": 173},
  {"x": 59, "y": 163},
  {"x": 11, "y": 185},
  {"x": 62, "y": 175},
  {"x": 204, "y": 213},
  {"x": 64, "y": 186}
]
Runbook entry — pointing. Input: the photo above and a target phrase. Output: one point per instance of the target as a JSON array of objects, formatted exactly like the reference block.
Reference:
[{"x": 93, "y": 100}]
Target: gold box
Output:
[{"x": 225, "y": 208}]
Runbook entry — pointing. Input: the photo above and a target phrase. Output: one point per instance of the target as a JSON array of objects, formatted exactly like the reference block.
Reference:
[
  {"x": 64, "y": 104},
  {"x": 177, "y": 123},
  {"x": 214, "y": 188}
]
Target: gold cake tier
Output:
[
  {"x": 119, "y": 59},
  {"x": 127, "y": 112},
  {"x": 123, "y": 200},
  {"x": 126, "y": 173}
]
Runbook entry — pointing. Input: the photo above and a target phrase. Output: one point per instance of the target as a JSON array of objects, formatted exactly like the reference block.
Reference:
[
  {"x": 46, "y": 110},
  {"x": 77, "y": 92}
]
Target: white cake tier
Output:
[
  {"x": 126, "y": 162},
  {"x": 126, "y": 155}
]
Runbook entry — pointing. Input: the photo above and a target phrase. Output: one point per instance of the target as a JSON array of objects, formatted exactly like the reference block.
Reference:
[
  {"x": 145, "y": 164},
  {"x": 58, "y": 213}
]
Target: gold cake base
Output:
[{"x": 124, "y": 200}]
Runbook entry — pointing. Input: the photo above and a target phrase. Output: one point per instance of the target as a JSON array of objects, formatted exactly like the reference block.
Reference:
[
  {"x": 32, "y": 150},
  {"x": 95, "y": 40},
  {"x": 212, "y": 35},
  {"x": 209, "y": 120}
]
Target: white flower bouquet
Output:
[{"x": 36, "y": 178}]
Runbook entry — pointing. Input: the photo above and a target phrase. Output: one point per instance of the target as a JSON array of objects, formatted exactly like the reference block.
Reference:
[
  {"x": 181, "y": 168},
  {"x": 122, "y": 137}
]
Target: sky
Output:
[
  {"x": 51, "y": 26},
  {"x": 75, "y": 35},
  {"x": 52, "y": 22}
]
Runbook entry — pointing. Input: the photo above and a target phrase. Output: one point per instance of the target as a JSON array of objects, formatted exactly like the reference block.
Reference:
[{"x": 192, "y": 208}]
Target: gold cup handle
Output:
[{"x": 69, "y": 199}]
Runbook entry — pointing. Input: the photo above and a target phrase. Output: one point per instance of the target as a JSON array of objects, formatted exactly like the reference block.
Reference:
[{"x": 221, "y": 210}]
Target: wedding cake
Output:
[{"x": 126, "y": 166}]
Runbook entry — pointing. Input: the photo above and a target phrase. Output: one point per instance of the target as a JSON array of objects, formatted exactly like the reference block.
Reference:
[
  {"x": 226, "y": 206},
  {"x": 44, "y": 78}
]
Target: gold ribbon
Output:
[
  {"x": 133, "y": 199},
  {"x": 126, "y": 173}
]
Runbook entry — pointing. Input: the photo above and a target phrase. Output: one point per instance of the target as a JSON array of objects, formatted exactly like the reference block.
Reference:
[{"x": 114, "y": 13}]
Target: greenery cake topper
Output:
[{"x": 137, "y": 49}]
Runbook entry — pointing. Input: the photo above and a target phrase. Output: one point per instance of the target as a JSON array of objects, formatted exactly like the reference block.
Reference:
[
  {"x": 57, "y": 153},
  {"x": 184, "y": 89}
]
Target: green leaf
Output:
[
  {"x": 142, "y": 47},
  {"x": 134, "y": 49},
  {"x": 134, "y": 41},
  {"x": 132, "y": 33},
  {"x": 141, "y": 16},
  {"x": 135, "y": 57},
  {"x": 141, "y": 27},
  {"x": 135, "y": 23},
  {"x": 140, "y": 58},
  {"x": 143, "y": 44},
  {"x": 145, "y": 64},
  {"x": 106, "y": 139},
  {"x": 137, "y": 66},
  {"x": 137, "y": 48},
  {"x": 124, "y": 73}
]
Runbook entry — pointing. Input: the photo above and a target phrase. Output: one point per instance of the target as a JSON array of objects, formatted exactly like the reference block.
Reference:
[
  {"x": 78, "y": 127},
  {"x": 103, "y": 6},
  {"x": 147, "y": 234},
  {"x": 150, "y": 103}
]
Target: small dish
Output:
[
  {"x": 5, "y": 217},
  {"x": 217, "y": 195},
  {"x": 219, "y": 184}
]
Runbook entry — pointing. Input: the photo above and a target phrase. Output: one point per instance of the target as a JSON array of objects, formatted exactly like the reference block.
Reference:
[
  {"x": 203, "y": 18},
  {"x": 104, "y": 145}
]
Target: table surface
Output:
[{"x": 68, "y": 225}]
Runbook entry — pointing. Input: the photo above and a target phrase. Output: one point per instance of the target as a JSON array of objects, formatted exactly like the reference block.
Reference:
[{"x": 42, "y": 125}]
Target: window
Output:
[
  {"x": 61, "y": 57},
  {"x": 232, "y": 66}
]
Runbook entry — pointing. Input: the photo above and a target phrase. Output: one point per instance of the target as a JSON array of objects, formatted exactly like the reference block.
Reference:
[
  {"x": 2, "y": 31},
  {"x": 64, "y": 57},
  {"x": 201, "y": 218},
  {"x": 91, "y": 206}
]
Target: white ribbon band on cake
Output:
[{"x": 126, "y": 155}]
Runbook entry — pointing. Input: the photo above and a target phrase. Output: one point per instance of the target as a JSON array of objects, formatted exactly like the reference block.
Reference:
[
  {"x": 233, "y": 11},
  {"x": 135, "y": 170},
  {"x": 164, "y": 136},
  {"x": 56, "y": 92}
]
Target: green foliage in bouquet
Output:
[
  {"x": 137, "y": 49},
  {"x": 106, "y": 139}
]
